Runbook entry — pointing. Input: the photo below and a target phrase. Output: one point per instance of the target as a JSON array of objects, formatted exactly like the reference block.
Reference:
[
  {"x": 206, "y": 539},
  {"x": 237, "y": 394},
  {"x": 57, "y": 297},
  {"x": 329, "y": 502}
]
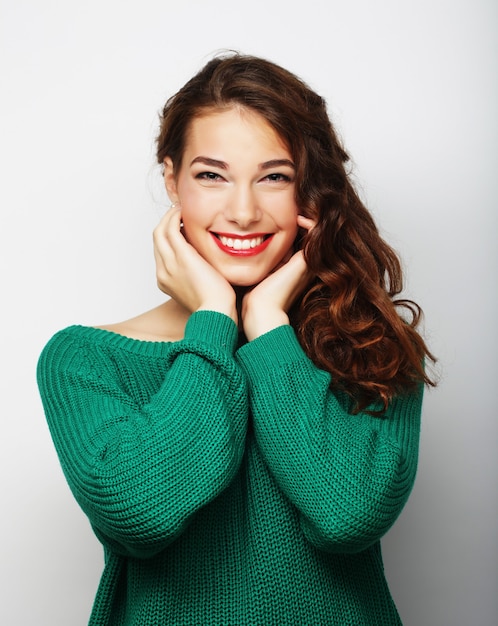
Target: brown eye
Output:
[
  {"x": 210, "y": 176},
  {"x": 278, "y": 178}
]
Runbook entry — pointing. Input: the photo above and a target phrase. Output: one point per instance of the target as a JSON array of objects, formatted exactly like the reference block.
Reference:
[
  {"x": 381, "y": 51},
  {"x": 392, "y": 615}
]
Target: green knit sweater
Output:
[{"x": 228, "y": 485}]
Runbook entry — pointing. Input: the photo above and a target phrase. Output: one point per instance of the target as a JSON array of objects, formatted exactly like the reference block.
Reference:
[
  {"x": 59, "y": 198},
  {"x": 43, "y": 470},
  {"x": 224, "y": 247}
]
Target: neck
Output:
[{"x": 240, "y": 292}]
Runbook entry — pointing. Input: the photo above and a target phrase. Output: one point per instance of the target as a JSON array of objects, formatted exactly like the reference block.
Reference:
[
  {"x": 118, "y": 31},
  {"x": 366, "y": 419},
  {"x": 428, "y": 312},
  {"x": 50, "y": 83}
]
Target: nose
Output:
[{"x": 242, "y": 207}]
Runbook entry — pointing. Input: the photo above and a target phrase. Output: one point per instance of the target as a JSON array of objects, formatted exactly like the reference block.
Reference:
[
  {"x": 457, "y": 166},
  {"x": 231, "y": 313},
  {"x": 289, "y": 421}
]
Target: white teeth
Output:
[{"x": 241, "y": 244}]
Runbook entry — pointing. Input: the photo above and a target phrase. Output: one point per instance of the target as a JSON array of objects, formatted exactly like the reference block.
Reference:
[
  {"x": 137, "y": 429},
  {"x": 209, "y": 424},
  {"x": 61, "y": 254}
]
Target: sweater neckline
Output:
[{"x": 110, "y": 338}]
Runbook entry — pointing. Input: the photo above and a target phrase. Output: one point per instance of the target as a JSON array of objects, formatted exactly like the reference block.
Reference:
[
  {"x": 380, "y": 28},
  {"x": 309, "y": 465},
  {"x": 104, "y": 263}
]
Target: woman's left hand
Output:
[{"x": 265, "y": 307}]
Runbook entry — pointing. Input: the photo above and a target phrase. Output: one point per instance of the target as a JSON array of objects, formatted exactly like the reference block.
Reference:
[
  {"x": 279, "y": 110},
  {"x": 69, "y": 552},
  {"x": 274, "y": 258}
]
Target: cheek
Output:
[
  {"x": 288, "y": 222},
  {"x": 188, "y": 193},
  {"x": 288, "y": 242},
  {"x": 191, "y": 231},
  {"x": 194, "y": 213},
  {"x": 188, "y": 201},
  {"x": 293, "y": 240},
  {"x": 285, "y": 210}
]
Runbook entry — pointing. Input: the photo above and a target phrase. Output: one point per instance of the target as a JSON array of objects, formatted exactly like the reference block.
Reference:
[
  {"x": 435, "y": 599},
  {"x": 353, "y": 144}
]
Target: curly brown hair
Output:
[{"x": 349, "y": 321}]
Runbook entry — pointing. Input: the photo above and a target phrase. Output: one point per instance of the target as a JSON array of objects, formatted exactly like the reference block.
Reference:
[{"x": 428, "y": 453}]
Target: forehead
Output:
[{"x": 235, "y": 128}]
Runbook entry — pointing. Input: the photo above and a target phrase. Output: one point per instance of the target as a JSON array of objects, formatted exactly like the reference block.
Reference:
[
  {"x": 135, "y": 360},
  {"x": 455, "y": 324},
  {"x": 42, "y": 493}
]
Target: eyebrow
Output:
[
  {"x": 276, "y": 163},
  {"x": 212, "y": 162},
  {"x": 224, "y": 166}
]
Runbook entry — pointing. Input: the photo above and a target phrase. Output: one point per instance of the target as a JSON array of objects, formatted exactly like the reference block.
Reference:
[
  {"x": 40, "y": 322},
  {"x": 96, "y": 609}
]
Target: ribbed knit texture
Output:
[{"x": 229, "y": 487}]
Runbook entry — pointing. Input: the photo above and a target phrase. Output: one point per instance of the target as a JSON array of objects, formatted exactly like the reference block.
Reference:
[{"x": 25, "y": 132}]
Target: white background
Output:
[{"x": 412, "y": 89}]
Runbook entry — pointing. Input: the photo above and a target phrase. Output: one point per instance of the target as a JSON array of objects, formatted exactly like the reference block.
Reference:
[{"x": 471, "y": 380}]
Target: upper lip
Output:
[{"x": 235, "y": 236}]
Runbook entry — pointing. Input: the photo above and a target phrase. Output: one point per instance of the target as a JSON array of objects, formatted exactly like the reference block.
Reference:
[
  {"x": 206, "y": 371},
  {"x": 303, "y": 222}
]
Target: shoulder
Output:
[
  {"x": 69, "y": 348},
  {"x": 148, "y": 334},
  {"x": 165, "y": 323}
]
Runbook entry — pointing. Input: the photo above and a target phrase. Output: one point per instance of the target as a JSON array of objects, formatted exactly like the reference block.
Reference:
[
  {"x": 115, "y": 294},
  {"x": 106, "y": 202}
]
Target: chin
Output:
[
  {"x": 248, "y": 275},
  {"x": 244, "y": 283},
  {"x": 241, "y": 274}
]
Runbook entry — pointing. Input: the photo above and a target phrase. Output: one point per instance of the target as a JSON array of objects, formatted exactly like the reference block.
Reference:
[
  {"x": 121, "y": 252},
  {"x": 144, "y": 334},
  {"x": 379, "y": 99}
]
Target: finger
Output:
[
  {"x": 167, "y": 234},
  {"x": 164, "y": 252},
  {"x": 162, "y": 226},
  {"x": 171, "y": 221},
  {"x": 297, "y": 267},
  {"x": 289, "y": 276},
  {"x": 297, "y": 273},
  {"x": 174, "y": 218},
  {"x": 305, "y": 222}
]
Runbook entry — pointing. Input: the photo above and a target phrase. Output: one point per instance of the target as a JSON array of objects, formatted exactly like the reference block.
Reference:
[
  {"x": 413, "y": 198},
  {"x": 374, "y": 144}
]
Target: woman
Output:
[{"x": 241, "y": 449}]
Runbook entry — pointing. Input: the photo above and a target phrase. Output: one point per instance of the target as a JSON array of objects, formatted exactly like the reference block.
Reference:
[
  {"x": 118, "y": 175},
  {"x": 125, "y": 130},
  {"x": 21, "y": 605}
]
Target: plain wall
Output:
[{"x": 412, "y": 89}]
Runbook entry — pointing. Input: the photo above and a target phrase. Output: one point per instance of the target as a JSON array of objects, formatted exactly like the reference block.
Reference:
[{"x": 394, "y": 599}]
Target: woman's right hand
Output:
[{"x": 184, "y": 275}]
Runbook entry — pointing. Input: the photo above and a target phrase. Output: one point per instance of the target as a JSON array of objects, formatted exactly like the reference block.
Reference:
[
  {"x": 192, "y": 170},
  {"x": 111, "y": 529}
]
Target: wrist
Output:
[
  {"x": 230, "y": 310},
  {"x": 255, "y": 326},
  {"x": 211, "y": 327}
]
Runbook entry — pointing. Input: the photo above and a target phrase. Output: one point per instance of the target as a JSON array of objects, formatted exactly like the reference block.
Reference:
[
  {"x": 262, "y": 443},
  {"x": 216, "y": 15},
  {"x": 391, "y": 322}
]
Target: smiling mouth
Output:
[{"x": 242, "y": 246}]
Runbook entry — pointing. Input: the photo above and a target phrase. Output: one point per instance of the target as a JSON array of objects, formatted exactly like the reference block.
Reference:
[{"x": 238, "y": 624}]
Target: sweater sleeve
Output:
[
  {"x": 141, "y": 470},
  {"x": 349, "y": 476}
]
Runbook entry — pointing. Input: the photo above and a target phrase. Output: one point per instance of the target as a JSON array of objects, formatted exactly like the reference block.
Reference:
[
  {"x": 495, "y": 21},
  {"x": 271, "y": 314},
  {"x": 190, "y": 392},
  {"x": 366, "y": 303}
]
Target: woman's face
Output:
[{"x": 235, "y": 188}]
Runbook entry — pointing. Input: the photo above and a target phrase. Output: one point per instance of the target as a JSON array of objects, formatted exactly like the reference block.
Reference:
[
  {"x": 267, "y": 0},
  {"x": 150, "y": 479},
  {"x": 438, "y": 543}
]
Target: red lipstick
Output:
[{"x": 242, "y": 245}]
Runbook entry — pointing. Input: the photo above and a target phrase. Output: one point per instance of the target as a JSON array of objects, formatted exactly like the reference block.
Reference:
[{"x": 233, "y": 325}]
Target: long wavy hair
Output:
[{"x": 349, "y": 321}]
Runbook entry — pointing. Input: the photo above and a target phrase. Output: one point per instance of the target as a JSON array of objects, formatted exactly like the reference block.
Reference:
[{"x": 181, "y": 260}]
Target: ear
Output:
[{"x": 170, "y": 180}]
